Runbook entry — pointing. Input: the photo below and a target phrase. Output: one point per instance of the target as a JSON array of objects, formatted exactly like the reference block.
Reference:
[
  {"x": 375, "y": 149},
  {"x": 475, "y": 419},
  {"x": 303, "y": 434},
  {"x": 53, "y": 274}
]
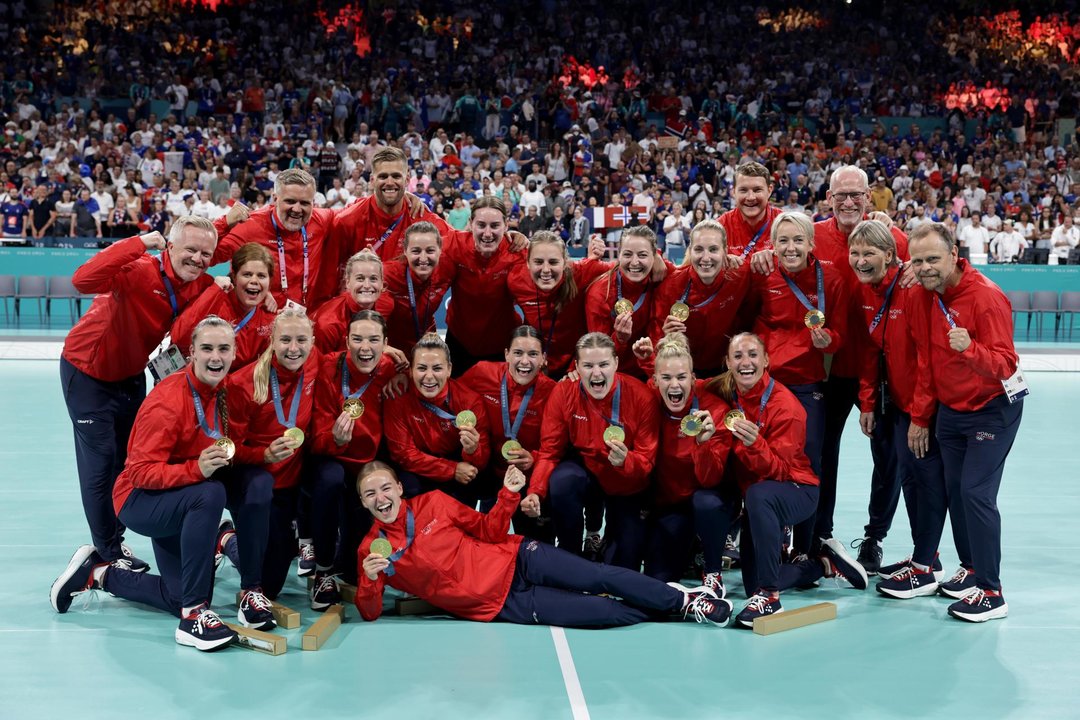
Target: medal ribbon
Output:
[
  {"x": 281, "y": 260},
  {"x": 757, "y": 236},
  {"x": 884, "y": 306},
  {"x": 294, "y": 406},
  {"x": 410, "y": 533},
  {"x": 168, "y": 285},
  {"x": 686, "y": 294},
  {"x": 693, "y": 409},
  {"x": 438, "y": 410},
  {"x": 615, "y": 401},
  {"x": 764, "y": 401},
  {"x": 213, "y": 433},
  {"x": 345, "y": 382},
  {"x": 802, "y": 297},
  {"x": 511, "y": 431},
  {"x": 247, "y": 318},
  {"x": 618, "y": 290}
]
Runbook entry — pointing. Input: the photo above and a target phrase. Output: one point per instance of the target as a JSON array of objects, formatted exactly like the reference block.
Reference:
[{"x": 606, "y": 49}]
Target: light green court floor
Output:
[{"x": 879, "y": 659}]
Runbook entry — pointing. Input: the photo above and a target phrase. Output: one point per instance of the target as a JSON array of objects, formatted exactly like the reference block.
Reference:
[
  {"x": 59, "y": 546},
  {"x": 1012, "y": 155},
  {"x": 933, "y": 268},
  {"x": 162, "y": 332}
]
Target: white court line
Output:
[{"x": 569, "y": 674}]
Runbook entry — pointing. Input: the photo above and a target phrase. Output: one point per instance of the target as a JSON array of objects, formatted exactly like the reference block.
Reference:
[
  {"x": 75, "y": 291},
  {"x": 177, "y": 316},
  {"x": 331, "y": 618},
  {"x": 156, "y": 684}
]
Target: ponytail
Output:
[{"x": 261, "y": 378}]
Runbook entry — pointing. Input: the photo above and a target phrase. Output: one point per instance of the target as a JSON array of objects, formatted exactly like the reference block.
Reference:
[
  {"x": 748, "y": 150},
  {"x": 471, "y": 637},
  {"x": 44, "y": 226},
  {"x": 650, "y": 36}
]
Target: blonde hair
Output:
[
  {"x": 431, "y": 341},
  {"x": 568, "y": 290},
  {"x": 705, "y": 226},
  {"x": 800, "y": 220},
  {"x": 261, "y": 377},
  {"x": 724, "y": 383},
  {"x": 594, "y": 340},
  {"x": 371, "y": 468},
  {"x": 674, "y": 345},
  {"x": 365, "y": 255},
  {"x": 292, "y": 176},
  {"x": 176, "y": 232}
]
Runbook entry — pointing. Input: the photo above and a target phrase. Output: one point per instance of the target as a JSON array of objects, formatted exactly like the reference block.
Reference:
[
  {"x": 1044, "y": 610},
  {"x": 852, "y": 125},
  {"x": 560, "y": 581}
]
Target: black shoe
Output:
[
  {"x": 325, "y": 591},
  {"x": 869, "y": 554},
  {"x": 77, "y": 578},
  {"x": 129, "y": 562},
  {"x": 203, "y": 630}
]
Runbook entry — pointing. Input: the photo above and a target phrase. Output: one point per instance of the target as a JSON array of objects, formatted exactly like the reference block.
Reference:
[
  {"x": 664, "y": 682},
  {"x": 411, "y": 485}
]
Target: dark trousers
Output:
[
  {"x": 535, "y": 528},
  {"x": 549, "y": 586},
  {"x": 770, "y": 505},
  {"x": 715, "y": 509},
  {"x": 278, "y": 540},
  {"x": 812, "y": 398},
  {"x": 468, "y": 495},
  {"x": 974, "y": 446},
  {"x": 932, "y": 498},
  {"x": 894, "y": 471},
  {"x": 841, "y": 395},
  {"x": 182, "y": 524},
  {"x": 337, "y": 519},
  {"x": 568, "y": 489},
  {"x": 102, "y": 414}
]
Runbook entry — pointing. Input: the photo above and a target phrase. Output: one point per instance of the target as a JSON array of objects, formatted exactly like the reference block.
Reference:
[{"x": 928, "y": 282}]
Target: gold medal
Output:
[
  {"x": 731, "y": 417},
  {"x": 624, "y": 306},
  {"x": 355, "y": 408},
  {"x": 382, "y": 547},
  {"x": 814, "y": 318},
  {"x": 229, "y": 445},
  {"x": 614, "y": 433},
  {"x": 680, "y": 311},
  {"x": 296, "y": 435},
  {"x": 508, "y": 447},
  {"x": 691, "y": 426},
  {"x": 465, "y": 419}
]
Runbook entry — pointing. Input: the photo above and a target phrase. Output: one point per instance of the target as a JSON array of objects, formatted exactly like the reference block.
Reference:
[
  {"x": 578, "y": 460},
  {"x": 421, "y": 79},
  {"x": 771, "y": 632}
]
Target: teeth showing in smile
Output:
[
  {"x": 384, "y": 508},
  {"x": 675, "y": 396},
  {"x": 523, "y": 369},
  {"x": 746, "y": 373}
]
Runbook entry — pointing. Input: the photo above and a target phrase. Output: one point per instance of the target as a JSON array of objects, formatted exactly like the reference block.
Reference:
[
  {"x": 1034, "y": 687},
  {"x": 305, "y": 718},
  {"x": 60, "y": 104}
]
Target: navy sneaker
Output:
[
  {"x": 761, "y": 605},
  {"x": 226, "y": 534},
  {"x": 593, "y": 548},
  {"x": 909, "y": 582},
  {"x": 715, "y": 582},
  {"x": 77, "y": 578},
  {"x": 305, "y": 565},
  {"x": 979, "y": 606},
  {"x": 203, "y": 630},
  {"x": 731, "y": 559},
  {"x": 887, "y": 571},
  {"x": 959, "y": 584},
  {"x": 325, "y": 591},
  {"x": 703, "y": 607},
  {"x": 255, "y": 611},
  {"x": 129, "y": 562},
  {"x": 869, "y": 554},
  {"x": 840, "y": 563}
]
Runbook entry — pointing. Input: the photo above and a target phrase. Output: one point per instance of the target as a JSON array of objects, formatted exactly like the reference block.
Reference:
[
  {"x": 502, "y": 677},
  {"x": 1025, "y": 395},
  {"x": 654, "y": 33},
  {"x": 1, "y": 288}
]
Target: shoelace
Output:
[
  {"x": 257, "y": 600},
  {"x": 758, "y": 603},
  {"x": 975, "y": 597},
  {"x": 712, "y": 580},
  {"x": 126, "y": 551},
  {"x": 960, "y": 576},
  {"x": 207, "y": 620},
  {"x": 903, "y": 573},
  {"x": 307, "y": 552},
  {"x": 327, "y": 583},
  {"x": 701, "y": 607}
]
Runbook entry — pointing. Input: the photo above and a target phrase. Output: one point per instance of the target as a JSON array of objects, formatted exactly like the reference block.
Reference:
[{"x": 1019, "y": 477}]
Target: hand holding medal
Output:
[
  {"x": 699, "y": 425},
  {"x": 214, "y": 457},
  {"x": 740, "y": 427},
  {"x": 615, "y": 439},
  {"x": 467, "y": 432}
]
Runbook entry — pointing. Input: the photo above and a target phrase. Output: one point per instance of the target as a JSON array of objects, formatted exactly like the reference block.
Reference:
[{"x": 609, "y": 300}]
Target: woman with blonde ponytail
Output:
[{"x": 362, "y": 283}]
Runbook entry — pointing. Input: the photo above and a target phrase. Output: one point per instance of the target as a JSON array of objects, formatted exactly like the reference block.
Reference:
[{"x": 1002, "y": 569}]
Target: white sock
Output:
[
  {"x": 917, "y": 566},
  {"x": 99, "y": 575},
  {"x": 189, "y": 610},
  {"x": 306, "y": 541}
]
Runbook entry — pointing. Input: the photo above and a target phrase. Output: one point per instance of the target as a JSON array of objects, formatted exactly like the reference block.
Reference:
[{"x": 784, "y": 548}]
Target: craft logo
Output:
[
  {"x": 427, "y": 528},
  {"x": 582, "y": 418},
  {"x": 980, "y": 436}
]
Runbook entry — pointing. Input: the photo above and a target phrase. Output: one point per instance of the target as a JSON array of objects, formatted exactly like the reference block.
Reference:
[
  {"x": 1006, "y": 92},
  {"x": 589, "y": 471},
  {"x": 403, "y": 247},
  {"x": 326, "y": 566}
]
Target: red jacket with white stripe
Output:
[
  {"x": 401, "y": 329},
  {"x": 739, "y": 232},
  {"x": 332, "y": 320},
  {"x": 367, "y": 429},
  {"x": 894, "y": 330},
  {"x": 600, "y": 314},
  {"x": 131, "y": 314},
  {"x": 684, "y": 465},
  {"x": 481, "y": 314},
  {"x": 362, "y": 224},
  {"x": 251, "y": 339}
]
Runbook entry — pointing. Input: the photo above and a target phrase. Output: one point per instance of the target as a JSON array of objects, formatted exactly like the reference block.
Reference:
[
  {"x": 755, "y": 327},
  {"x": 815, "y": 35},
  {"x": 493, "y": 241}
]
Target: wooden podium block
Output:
[
  {"x": 258, "y": 640},
  {"x": 323, "y": 628},
  {"x": 348, "y": 592},
  {"x": 286, "y": 617},
  {"x": 414, "y": 606},
  {"x": 791, "y": 619}
]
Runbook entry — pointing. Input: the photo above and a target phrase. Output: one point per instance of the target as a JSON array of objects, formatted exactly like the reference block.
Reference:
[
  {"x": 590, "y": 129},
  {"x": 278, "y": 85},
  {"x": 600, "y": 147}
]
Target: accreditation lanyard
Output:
[
  {"x": 618, "y": 292},
  {"x": 412, "y": 304},
  {"x": 389, "y": 231},
  {"x": 511, "y": 431},
  {"x": 945, "y": 312},
  {"x": 345, "y": 382},
  {"x": 693, "y": 409},
  {"x": 168, "y": 285},
  {"x": 884, "y": 307},
  {"x": 247, "y": 318},
  {"x": 294, "y": 406},
  {"x": 802, "y": 296},
  {"x": 211, "y": 432},
  {"x": 410, "y": 533},
  {"x": 757, "y": 236},
  {"x": 281, "y": 259},
  {"x": 764, "y": 401}
]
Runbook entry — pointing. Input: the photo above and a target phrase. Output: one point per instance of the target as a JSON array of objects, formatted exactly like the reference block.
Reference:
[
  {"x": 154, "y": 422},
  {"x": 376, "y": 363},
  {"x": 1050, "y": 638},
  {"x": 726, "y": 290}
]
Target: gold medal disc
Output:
[
  {"x": 296, "y": 435},
  {"x": 814, "y": 318},
  {"x": 690, "y": 426},
  {"x": 731, "y": 417},
  {"x": 509, "y": 447},
  {"x": 614, "y": 433},
  {"x": 382, "y": 547},
  {"x": 624, "y": 306},
  {"x": 355, "y": 408},
  {"x": 680, "y": 311},
  {"x": 229, "y": 445},
  {"x": 465, "y": 419}
]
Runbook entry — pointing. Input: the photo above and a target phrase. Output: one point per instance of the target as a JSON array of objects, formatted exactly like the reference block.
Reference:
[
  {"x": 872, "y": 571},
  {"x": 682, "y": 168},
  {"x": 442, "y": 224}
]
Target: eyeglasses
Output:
[{"x": 843, "y": 197}]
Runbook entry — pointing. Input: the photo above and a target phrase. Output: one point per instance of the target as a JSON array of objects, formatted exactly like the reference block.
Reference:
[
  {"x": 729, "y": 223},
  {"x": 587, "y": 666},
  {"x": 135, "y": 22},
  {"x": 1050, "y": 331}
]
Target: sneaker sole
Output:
[
  {"x": 183, "y": 638},
  {"x": 751, "y": 623},
  {"x": 908, "y": 594},
  {"x": 849, "y": 569},
  {"x": 996, "y": 614},
  {"x": 731, "y": 614},
  {"x": 954, "y": 594},
  {"x": 268, "y": 625},
  {"x": 76, "y": 561}
]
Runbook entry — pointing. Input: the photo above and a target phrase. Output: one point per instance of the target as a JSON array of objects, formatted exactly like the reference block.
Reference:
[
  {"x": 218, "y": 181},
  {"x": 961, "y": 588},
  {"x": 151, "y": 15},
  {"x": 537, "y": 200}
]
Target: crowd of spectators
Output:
[{"x": 558, "y": 107}]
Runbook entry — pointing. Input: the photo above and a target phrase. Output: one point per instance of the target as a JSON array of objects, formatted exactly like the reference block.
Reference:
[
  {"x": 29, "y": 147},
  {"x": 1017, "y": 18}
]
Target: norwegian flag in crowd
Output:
[{"x": 617, "y": 216}]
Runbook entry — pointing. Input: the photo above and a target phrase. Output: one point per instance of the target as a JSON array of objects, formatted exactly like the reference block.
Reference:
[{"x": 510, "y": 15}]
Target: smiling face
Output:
[
  {"x": 292, "y": 342},
  {"x": 747, "y": 361},
  {"x": 707, "y": 252},
  {"x": 190, "y": 255},
  {"x": 524, "y": 359},
  {"x": 546, "y": 265},
  {"x": 294, "y": 206},
  {"x": 752, "y": 197},
  {"x": 366, "y": 343},
  {"x": 388, "y": 182},
  {"x": 488, "y": 227},
  {"x": 430, "y": 372},
  {"x": 636, "y": 257},
  {"x": 597, "y": 366},
  {"x": 934, "y": 262},
  {"x": 423, "y": 253},
  {"x": 251, "y": 283},
  {"x": 850, "y": 199},
  {"x": 674, "y": 379},
  {"x": 869, "y": 263},
  {"x": 212, "y": 353},
  {"x": 792, "y": 246},
  {"x": 381, "y": 495},
  {"x": 364, "y": 283}
]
